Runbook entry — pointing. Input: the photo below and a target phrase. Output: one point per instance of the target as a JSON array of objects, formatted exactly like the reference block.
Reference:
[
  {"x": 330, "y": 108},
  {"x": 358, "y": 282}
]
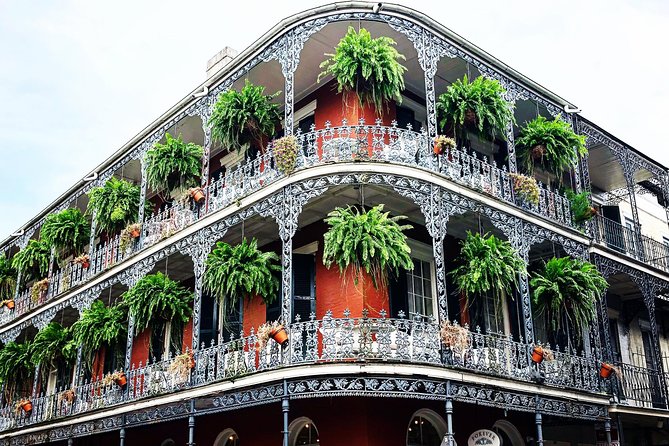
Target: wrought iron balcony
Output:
[
  {"x": 628, "y": 241},
  {"x": 643, "y": 387},
  {"x": 330, "y": 340}
]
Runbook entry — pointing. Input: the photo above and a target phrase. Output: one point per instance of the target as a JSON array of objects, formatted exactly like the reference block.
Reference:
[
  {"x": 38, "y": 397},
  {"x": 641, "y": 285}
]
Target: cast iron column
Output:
[{"x": 285, "y": 407}]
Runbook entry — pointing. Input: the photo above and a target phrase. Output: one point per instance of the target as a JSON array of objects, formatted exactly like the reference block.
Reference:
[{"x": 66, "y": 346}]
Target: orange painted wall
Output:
[
  {"x": 331, "y": 107},
  {"x": 140, "y": 348},
  {"x": 187, "y": 343},
  {"x": 254, "y": 315}
]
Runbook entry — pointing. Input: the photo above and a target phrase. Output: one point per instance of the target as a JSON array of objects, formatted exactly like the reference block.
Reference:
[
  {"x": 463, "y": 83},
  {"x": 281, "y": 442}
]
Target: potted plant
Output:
[
  {"x": 285, "y": 154},
  {"x": 551, "y": 144},
  {"x": 39, "y": 289},
  {"x": 242, "y": 271},
  {"x": 68, "y": 395},
  {"x": 115, "y": 205},
  {"x": 487, "y": 264},
  {"x": 370, "y": 241},
  {"x": 52, "y": 346},
  {"x": 366, "y": 67},
  {"x": 181, "y": 366},
  {"x": 84, "y": 260},
  {"x": 33, "y": 260},
  {"x": 100, "y": 326},
  {"x": 443, "y": 144},
  {"x": 455, "y": 336},
  {"x": 131, "y": 232},
  {"x": 119, "y": 378},
  {"x": 7, "y": 281},
  {"x": 606, "y": 370},
  {"x": 539, "y": 353},
  {"x": 580, "y": 205},
  {"x": 478, "y": 105},
  {"x": 16, "y": 369},
  {"x": 68, "y": 231},
  {"x": 274, "y": 330},
  {"x": 525, "y": 188},
  {"x": 197, "y": 194},
  {"x": 245, "y": 119},
  {"x": 9, "y": 303},
  {"x": 24, "y": 405},
  {"x": 566, "y": 290},
  {"x": 173, "y": 166}
]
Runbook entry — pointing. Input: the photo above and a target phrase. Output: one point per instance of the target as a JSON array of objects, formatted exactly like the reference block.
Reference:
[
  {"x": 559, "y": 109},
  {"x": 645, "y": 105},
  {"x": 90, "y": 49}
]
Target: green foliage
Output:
[
  {"x": 33, "y": 260},
  {"x": 370, "y": 240},
  {"x": 68, "y": 231},
  {"x": 566, "y": 290},
  {"x": 368, "y": 67},
  {"x": 580, "y": 205},
  {"x": 16, "y": 369},
  {"x": 173, "y": 165},
  {"x": 156, "y": 299},
  {"x": 100, "y": 326},
  {"x": 241, "y": 119},
  {"x": 487, "y": 263},
  {"x": 7, "y": 279},
  {"x": 241, "y": 272},
  {"x": 525, "y": 187},
  {"x": 51, "y": 344},
  {"x": 479, "y": 104},
  {"x": 551, "y": 144},
  {"x": 115, "y": 205}
]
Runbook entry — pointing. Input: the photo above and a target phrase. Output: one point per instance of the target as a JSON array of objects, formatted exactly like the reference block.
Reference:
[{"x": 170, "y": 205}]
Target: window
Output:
[
  {"x": 426, "y": 428},
  {"x": 227, "y": 438},
  {"x": 304, "y": 287},
  {"x": 303, "y": 432},
  {"x": 413, "y": 292},
  {"x": 231, "y": 323}
]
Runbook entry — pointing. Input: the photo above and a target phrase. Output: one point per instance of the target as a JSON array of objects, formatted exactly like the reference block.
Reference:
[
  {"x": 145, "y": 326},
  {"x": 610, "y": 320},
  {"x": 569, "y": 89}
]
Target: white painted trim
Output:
[{"x": 303, "y": 112}]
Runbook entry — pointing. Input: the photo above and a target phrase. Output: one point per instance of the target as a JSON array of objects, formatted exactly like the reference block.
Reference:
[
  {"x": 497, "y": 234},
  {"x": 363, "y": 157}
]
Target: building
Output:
[{"x": 361, "y": 365}]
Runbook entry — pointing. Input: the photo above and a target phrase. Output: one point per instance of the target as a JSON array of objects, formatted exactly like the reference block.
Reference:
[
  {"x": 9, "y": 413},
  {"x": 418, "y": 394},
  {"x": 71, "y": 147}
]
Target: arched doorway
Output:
[{"x": 426, "y": 428}]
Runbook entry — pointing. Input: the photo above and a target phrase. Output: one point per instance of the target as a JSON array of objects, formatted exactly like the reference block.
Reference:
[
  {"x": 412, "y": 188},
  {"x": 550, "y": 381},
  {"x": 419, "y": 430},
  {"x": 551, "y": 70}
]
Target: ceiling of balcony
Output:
[{"x": 606, "y": 172}]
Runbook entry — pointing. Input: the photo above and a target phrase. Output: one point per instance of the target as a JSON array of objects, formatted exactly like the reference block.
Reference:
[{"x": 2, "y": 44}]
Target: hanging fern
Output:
[
  {"x": 243, "y": 119},
  {"x": 566, "y": 290},
  {"x": 16, "y": 369},
  {"x": 33, "y": 261},
  {"x": 156, "y": 299},
  {"x": 7, "y": 279},
  {"x": 68, "y": 231},
  {"x": 241, "y": 272},
  {"x": 368, "y": 67},
  {"x": 51, "y": 344},
  {"x": 553, "y": 145},
  {"x": 487, "y": 263},
  {"x": 370, "y": 240},
  {"x": 175, "y": 165},
  {"x": 101, "y": 326},
  {"x": 115, "y": 205},
  {"x": 479, "y": 105}
]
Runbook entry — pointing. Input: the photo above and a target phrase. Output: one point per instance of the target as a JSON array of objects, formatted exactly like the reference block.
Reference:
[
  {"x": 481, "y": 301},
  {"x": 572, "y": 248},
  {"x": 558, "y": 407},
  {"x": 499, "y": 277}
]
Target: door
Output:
[
  {"x": 653, "y": 369},
  {"x": 612, "y": 229}
]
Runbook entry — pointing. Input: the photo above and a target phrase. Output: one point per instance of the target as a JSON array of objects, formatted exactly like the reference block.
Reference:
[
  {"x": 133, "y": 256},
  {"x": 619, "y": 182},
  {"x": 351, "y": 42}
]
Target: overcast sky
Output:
[{"x": 79, "y": 78}]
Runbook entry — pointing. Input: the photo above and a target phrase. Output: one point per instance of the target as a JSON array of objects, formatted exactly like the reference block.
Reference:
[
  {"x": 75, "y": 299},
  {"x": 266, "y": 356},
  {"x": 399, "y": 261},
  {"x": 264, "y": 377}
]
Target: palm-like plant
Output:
[
  {"x": 551, "y": 144},
  {"x": 68, "y": 231},
  {"x": 566, "y": 290},
  {"x": 241, "y": 272},
  {"x": 243, "y": 119},
  {"x": 479, "y": 104},
  {"x": 7, "y": 279},
  {"x": 51, "y": 344},
  {"x": 16, "y": 369},
  {"x": 368, "y": 67},
  {"x": 371, "y": 241},
  {"x": 115, "y": 205},
  {"x": 487, "y": 264},
  {"x": 100, "y": 326},
  {"x": 174, "y": 165},
  {"x": 157, "y": 299},
  {"x": 33, "y": 261}
]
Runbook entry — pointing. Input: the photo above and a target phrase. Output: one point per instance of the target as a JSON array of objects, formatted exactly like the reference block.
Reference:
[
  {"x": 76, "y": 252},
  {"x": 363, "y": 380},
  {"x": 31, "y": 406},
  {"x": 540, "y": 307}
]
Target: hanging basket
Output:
[
  {"x": 470, "y": 118},
  {"x": 538, "y": 152},
  {"x": 279, "y": 335},
  {"x": 197, "y": 194}
]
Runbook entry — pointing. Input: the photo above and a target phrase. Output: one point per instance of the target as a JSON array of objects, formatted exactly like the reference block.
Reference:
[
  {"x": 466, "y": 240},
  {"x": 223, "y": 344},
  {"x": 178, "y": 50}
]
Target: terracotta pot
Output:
[
  {"x": 537, "y": 354},
  {"x": 27, "y": 407},
  {"x": 134, "y": 233},
  {"x": 605, "y": 370},
  {"x": 10, "y": 304},
  {"x": 538, "y": 152},
  {"x": 279, "y": 335},
  {"x": 198, "y": 195},
  {"x": 437, "y": 149},
  {"x": 85, "y": 264},
  {"x": 122, "y": 381}
]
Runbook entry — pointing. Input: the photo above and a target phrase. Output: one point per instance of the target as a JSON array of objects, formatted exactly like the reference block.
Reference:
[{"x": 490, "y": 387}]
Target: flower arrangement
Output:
[
  {"x": 285, "y": 154},
  {"x": 455, "y": 336},
  {"x": 274, "y": 330},
  {"x": 130, "y": 232},
  {"x": 68, "y": 395},
  {"x": 181, "y": 365},
  {"x": 526, "y": 188},
  {"x": 443, "y": 144},
  {"x": 118, "y": 378},
  {"x": 84, "y": 260},
  {"x": 38, "y": 290}
]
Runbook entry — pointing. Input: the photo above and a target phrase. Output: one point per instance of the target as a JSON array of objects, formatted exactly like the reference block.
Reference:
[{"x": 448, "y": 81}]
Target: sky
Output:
[{"x": 78, "y": 78}]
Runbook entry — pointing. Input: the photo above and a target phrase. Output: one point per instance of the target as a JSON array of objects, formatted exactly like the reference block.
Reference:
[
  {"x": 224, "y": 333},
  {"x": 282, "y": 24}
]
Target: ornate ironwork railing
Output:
[
  {"x": 643, "y": 387},
  {"x": 330, "y": 340},
  {"x": 346, "y": 143},
  {"x": 627, "y": 241}
]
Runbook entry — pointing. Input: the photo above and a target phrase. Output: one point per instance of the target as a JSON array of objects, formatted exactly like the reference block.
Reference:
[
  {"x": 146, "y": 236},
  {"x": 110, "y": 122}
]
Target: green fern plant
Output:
[
  {"x": 368, "y": 67},
  {"x": 68, "y": 231},
  {"x": 479, "y": 105},
  {"x": 50, "y": 345},
  {"x": 566, "y": 290},
  {"x": 244, "y": 119},
  {"x": 156, "y": 299},
  {"x": 101, "y": 326},
  {"x": 487, "y": 264},
  {"x": 33, "y": 260},
  {"x": 581, "y": 207},
  {"x": 16, "y": 369},
  {"x": 241, "y": 272},
  {"x": 371, "y": 241},
  {"x": 551, "y": 144},
  {"x": 7, "y": 279},
  {"x": 175, "y": 165},
  {"x": 115, "y": 205}
]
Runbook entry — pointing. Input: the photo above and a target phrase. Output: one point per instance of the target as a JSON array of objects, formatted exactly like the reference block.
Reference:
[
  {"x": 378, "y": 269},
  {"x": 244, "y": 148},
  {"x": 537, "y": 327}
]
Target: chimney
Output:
[{"x": 221, "y": 59}]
